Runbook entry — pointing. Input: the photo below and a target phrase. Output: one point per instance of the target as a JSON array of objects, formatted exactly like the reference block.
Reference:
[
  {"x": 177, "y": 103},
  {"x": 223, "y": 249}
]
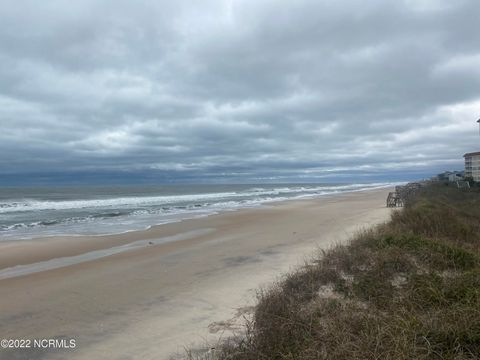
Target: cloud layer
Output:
[{"x": 239, "y": 89}]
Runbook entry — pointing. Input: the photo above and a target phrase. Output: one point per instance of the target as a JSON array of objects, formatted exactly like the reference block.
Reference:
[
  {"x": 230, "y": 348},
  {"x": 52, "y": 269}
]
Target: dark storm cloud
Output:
[{"x": 252, "y": 89}]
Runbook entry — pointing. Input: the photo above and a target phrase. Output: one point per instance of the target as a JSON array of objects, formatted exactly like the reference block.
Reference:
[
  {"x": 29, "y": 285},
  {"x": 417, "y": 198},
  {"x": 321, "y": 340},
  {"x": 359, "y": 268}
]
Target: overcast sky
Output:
[{"x": 243, "y": 90}]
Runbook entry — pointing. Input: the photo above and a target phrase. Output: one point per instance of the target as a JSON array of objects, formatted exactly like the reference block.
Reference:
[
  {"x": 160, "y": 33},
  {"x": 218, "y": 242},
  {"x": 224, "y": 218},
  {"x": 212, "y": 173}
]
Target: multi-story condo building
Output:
[{"x": 472, "y": 165}]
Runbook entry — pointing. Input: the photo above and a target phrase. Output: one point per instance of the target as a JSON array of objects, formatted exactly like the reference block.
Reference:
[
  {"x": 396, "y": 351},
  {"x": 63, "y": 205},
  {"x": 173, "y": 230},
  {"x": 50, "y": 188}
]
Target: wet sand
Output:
[{"x": 148, "y": 294}]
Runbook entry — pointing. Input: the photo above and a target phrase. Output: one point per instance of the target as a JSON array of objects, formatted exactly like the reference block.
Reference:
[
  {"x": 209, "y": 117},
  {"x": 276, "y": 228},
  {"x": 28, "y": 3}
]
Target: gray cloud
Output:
[{"x": 246, "y": 89}]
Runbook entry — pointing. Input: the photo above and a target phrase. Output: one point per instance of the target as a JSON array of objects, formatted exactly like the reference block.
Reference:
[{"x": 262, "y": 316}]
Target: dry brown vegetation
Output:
[{"x": 409, "y": 289}]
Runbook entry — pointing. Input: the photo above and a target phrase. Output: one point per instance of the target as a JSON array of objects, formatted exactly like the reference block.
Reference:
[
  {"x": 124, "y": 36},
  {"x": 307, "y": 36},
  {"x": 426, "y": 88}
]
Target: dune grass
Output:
[{"x": 409, "y": 289}]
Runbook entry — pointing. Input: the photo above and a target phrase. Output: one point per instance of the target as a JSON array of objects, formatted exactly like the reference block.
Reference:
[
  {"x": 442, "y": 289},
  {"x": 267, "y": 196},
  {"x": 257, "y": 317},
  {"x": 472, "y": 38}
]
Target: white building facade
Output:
[{"x": 472, "y": 165}]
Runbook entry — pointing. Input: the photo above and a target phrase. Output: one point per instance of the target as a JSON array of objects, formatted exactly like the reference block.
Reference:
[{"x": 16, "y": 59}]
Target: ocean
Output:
[{"x": 27, "y": 213}]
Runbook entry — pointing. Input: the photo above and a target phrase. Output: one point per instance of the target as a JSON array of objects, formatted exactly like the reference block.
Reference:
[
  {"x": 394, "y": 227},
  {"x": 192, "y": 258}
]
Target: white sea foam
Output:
[
  {"x": 126, "y": 202},
  {"x": 126, "y": 213},
  {"x": 35, "y": 205}
]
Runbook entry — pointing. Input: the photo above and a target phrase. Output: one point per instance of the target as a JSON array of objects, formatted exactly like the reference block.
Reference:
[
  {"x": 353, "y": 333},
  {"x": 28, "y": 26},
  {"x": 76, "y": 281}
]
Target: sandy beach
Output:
[{"x": 149, "y": 294}]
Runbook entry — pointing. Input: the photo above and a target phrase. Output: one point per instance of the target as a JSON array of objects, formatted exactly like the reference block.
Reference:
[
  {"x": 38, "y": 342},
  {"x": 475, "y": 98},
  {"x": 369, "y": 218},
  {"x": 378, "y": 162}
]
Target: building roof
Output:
[{"x": 472, "y": 154}]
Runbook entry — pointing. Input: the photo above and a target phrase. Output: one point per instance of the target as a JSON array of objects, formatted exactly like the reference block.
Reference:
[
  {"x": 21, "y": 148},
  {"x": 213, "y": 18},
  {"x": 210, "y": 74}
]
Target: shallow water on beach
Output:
[{"x": 34, "y": 212}]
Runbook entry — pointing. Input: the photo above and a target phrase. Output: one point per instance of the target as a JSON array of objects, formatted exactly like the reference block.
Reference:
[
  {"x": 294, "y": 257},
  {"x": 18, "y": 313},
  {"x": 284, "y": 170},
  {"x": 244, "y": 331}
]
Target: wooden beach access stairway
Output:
[{"x": 402, "y": 194}]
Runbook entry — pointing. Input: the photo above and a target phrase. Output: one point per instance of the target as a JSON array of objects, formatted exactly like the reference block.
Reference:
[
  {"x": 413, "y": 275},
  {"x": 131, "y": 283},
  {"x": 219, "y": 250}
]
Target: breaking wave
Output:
[{"x": 34, "y": 217}]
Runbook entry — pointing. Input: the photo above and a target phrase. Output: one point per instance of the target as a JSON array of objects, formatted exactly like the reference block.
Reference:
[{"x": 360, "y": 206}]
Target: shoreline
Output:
[
  {"x": 179, "y": 217},
  {"x": 174, "y": 294},
  {"x": 11, "y": 249}
]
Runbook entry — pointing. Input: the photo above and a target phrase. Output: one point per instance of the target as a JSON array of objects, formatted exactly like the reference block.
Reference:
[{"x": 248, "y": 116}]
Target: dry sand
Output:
[{"x": 150, "y": 300}]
